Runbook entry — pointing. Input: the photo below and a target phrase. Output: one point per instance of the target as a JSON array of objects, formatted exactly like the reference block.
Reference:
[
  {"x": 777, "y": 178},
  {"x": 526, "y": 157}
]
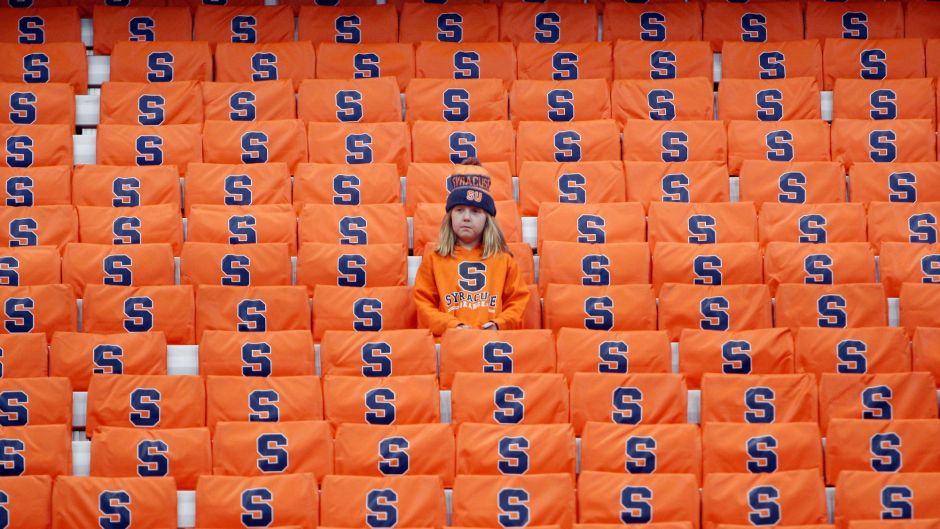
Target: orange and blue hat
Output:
[{"x": 469, "y": 185}]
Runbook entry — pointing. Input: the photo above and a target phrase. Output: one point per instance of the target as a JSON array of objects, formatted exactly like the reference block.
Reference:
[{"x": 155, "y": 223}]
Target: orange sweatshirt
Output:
[{"x": 467, "y": 289}]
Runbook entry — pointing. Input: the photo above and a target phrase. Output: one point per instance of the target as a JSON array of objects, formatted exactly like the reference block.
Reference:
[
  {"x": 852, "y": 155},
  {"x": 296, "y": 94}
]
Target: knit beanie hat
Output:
[{"x": 469, "y": 185}]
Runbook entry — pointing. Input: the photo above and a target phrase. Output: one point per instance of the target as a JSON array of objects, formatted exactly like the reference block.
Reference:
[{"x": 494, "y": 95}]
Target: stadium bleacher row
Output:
[{"x": 212, "y": 217}]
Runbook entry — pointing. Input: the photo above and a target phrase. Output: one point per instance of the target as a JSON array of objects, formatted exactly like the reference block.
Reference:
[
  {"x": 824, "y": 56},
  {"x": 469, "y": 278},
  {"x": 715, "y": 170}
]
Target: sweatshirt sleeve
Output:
[
  {"x": 427, "y": 300},
  {"x": 515, "y": 298}
]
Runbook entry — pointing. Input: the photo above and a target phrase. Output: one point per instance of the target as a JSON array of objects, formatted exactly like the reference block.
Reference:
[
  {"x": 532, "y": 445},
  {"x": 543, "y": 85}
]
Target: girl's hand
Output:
[{"x": 490, "y": 325}]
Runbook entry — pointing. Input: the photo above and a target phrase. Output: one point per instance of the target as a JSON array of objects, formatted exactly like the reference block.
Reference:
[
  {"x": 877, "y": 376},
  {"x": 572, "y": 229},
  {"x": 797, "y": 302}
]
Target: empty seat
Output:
[
  {"x": 759, "y": 399},
  {"x": 741, "y": 448},
  {"x": 674, "y": 141},
  {"x": 249, "y": 101},
  {"x": 36, "y": 145},
  {"x": 37, "y": 104},
  {"x": 600, "y": 308},
  {"x": 354, "y": 501},
  {"x": 872, "y": 59},
  {"x": 124, "y": 186},
  {"x": 894, "y": 182},
  {"x": 427, "y": 182},
  {"x": 262, "y": 399},
  {"x": 565, "y": 62},
  {"x": 603, "y": 222},
  {"x": 663, "y": 100},
  {"x": 853, "y": 351},
  {"x": 289, "y": 447},
  {"x": 142, "y": 103},
  {"x": 762, "y": 100},
  {"x": 76, "y": 500},
  {"x": 863, "y": 20},
  {"x": 713, "y": 264},
  {"x": 180, "y": 453},
  {"x": 243, "y": 224},
  {"x": 566, "y": 142},
  {"x": 159, "y": 223},
  {"x": 794, "y": 182},
  {"x": 363, "y": 309},
  {"x": 41, "y": 309},
  {"x": 236, "y": 184},
  {"x": 903, "y": 222},
  {"x": 876, "y": 396},
  {"x": 831, "y": 306},
  {"x": 251, "y": 308},
  {"x": 254, "y": 24},
  {"x": 56, "y": 62},
  {"x": 25, "y": 355},
  {"x": 702, "y": 181},
  {"x": 413, "y": 399},
  {"x": 795, "y": 497},
  {"x": 378, "y": 353},
  {"x": 493, "y": 449},
  {"x": 39, "y": 25},
  {"x": 502, "y": 351},
  {"x": 635, "y": 59},
  {"x": 167, "y": 308},
  {"x": 125, "y": 265},
  {"x": 834, "y": 263},
  {"x": 130, "y": 145},
  {"x": 886, "y": 496},
  {"x": 471, "y": 22},
  {"x": 359, "y": 143},
  {"x": 903, "y": 262},
  {"x": 228, "y": 500},
  {"x": 113, "y": 24},
  {"x": 903, "y": 140},
  {"x": 678, "y": 21},
  {"x": 456, "y": 100},
  {"x": 917, "y": 303},
  {"x": 920, "y": 21},
  {"x": 591, "y": 182},
  {"x": 39, "y": 226},
  {"x": 587, "y": 351},
  {"x": 37, "y": 401},
  {"x": 395, "y": 450},
  {"x": 30, "y": 265},
  {"x": 509, "y": 398},
  {"x": 885, "y": 99},
  {"x": 642, "y": 449},
  {"x": 609, "y": 497},
  {"x": 758, "y": 351},
  {"x": 925, "y": 356},
  {"x": 257, "y": 354},
  {"x": 39, "y": 450},
  {"x": 262, "y": 264},
  {"x": 347, "y": 23},
  {"x": 628, "y": 399},
  {"x": 714, "y": 308},
  {"x": 901, "y": 445},
  {"x": 145, "y": 401},
  {"x": 353, "y": 100},
  {"x": 160, "y": 62},
  {"x": 812, "y": 223},
  {"x": 243, "y": 63},
  {"x": 571, "y": 263},
  {"x": 29, "y": 497},
  {"x": 36, "y": 186},
  {"x": 439, "y": 142},
  {"x": 353, "y": 225},
  {"x": 360, "y": 61},
  {"x": 766, "y": 22},
  {"x": 705, "y": 223},
  {"x": 773, "y": 60},
  {"x": 786, "y": 141},
  {"x": 367, "y": 265},
  {"x": 255, "y": 142},
  {"x": 479, "y": 60},
  {"x": 577, "y": 100},
  {"x": 492, "y": 501},
  {"x": 345, "y": 184},
  {"x": 556, "y": 24}
]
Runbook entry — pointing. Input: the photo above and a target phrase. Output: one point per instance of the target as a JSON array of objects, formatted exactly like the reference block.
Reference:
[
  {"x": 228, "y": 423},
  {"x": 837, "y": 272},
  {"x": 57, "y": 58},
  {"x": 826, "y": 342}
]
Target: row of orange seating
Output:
[{"x": 865, "y": 500}]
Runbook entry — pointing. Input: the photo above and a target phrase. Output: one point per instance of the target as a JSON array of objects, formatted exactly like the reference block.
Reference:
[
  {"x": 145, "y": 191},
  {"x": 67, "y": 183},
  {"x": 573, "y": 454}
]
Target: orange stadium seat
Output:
[
  {"x": 361, "y": 61},
  {"x": 565, "y": 62},
  {"x": 758, "y": 351},
  {"x": 263, "y": 264},
  {"x": 907, "y": 140},
  {"x": 602, "y": 222},
  {"x": 479, "y": 60},
  {"x": 917, "y": 303},
  {"x": 395, "y": 450},
  {"x": 81, "y": 501},
  {"x": 763, "y": 181},
  {"x": 130, "y": 145},
  {"x": 236, "y": 184},
  {"x": 167, "y": 308},
  {"x": 663, "y": 100},
  {"x": 39, "y": 226},
  {"x": 925, "y": 357},
  {"x": 243, "y": 63},
  {"x": 36, "y": 145},
  {"x": 140, "y": 103},
  {"x": 495, "y": 449},
  {"x": 830, "y": 263},
  {"x": 251, "y": 308},
  {"x": 777, "y": 100},
  {"x": 359, "y": 143},
  {"x": 347, "y": 23},
  {"x": 160, "y": 62},
  {"x": 354, "y": 225},
  {"x": 289, "y": 447},
  {"x": 109, "y": 264},
  {"x": 895, "y": 523},
  {"x": 914, "y": 223},
  {"x": 378, "y": 353},
  {"x": 886, "y": 99},
  {"x": 80, "y": 356},
  {"x": 740, "y": 448},
  {"x": 370, "y": 100},
  {"x": 572, "y": 263},
  {"x": 30, "y": 265},
  {"x": 628, "y": 399},
  {"x": 678, "y": 21},
  {"x": 577, "y": 141},
  {"x": 773, "y": 60},
  {"x": 702, "y": 223},
  {"x": 427, "y": 182},
  {"x": 254, "y": 24},
  {"x": 39, "y": 25},
  {"x": 456, "y": 100},
  {"x": 493, "y": 501},
  {"x": 860, "y": 20},
  {"x": 358, "y": 501},
  {"x": 228, "y": 501},
  {"x": 37, "y": 104},
  {"x": 710, "y": 264},
  {"x": 268, "y": 353},
  {"x": 643, "y": 449},
  {"x": 881, "y": 446},
  {"x": 713, "y": 308},
  {"x": 471, "y": 22},
  {"x": 28, "y": 498},
  {"x": 788, "y": 141},
  {"x": 700, "y": 181},
  {"x": 125, "y": 186},
  {"x": 136, "y": 225},
  {"x": 441, "y": 141},
  {"x": 36, "y": 401},
  {"x": 811, "y": 223},
  {"x": 244, "y": 101},
  {"x": 56, "y": 62},
  {"x": 36, "y": 186},
  {"x": 903, "y": 262},
  {"x": 512, "y": 351},
  {"x": 345, "y": 184},
  {"x": 876, "y": 396},
  {"x": 759, "y": 399},
  {"x": 262, "y": 399},
  {"x": 138, "y": 23},
  {"x": 611, "y": 498},
  {"x": 831, "y": 306},
  {"x": 365, "y": 265},
  {"x": 509, "y": 398},
  {"x": 872, "y": 59},
  {"x": 362, "y": 309},
  {"x": 894, "y": 182},
  {"x": 795, "y": 497},
  {"x": 243, "y": 224},
  {"x": 38, "y": 450},
  {"x": 180, "y": 453},
  {"x": 145, "y": 401},
  {"x": 569, "y": 182},
  {"x": 562, "y": 23},
  {"x": 854, "y": 351},
  {"x": 629, "y": 307},
  {"x": 41, "y": 309},
  {"x": 764, "y": 22},
  {"x": 411, "y": 399},
  {"x": 674, "y": 141},
  {"x": 577, "y": 100},
  {"x": 886, "y": 496},
  {"x": 634, "y": 59},
  {"x": 282, "y": 140},
  {"x": 24, "y": 356},
  {"x": 920, "y": 21}
]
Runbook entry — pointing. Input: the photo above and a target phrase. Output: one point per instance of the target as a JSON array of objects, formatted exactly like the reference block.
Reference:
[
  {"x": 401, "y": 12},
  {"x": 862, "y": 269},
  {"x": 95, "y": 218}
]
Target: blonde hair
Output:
[{"x": 492, "y": 238}]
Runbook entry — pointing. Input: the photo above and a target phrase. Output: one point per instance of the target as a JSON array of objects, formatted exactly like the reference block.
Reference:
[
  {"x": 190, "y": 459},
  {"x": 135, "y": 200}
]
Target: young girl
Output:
[{"x": 471, "y": 281}]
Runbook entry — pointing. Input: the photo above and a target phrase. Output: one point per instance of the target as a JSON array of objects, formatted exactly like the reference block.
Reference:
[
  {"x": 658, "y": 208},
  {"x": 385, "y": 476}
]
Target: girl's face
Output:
[{"x": 468, "y": 223}]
